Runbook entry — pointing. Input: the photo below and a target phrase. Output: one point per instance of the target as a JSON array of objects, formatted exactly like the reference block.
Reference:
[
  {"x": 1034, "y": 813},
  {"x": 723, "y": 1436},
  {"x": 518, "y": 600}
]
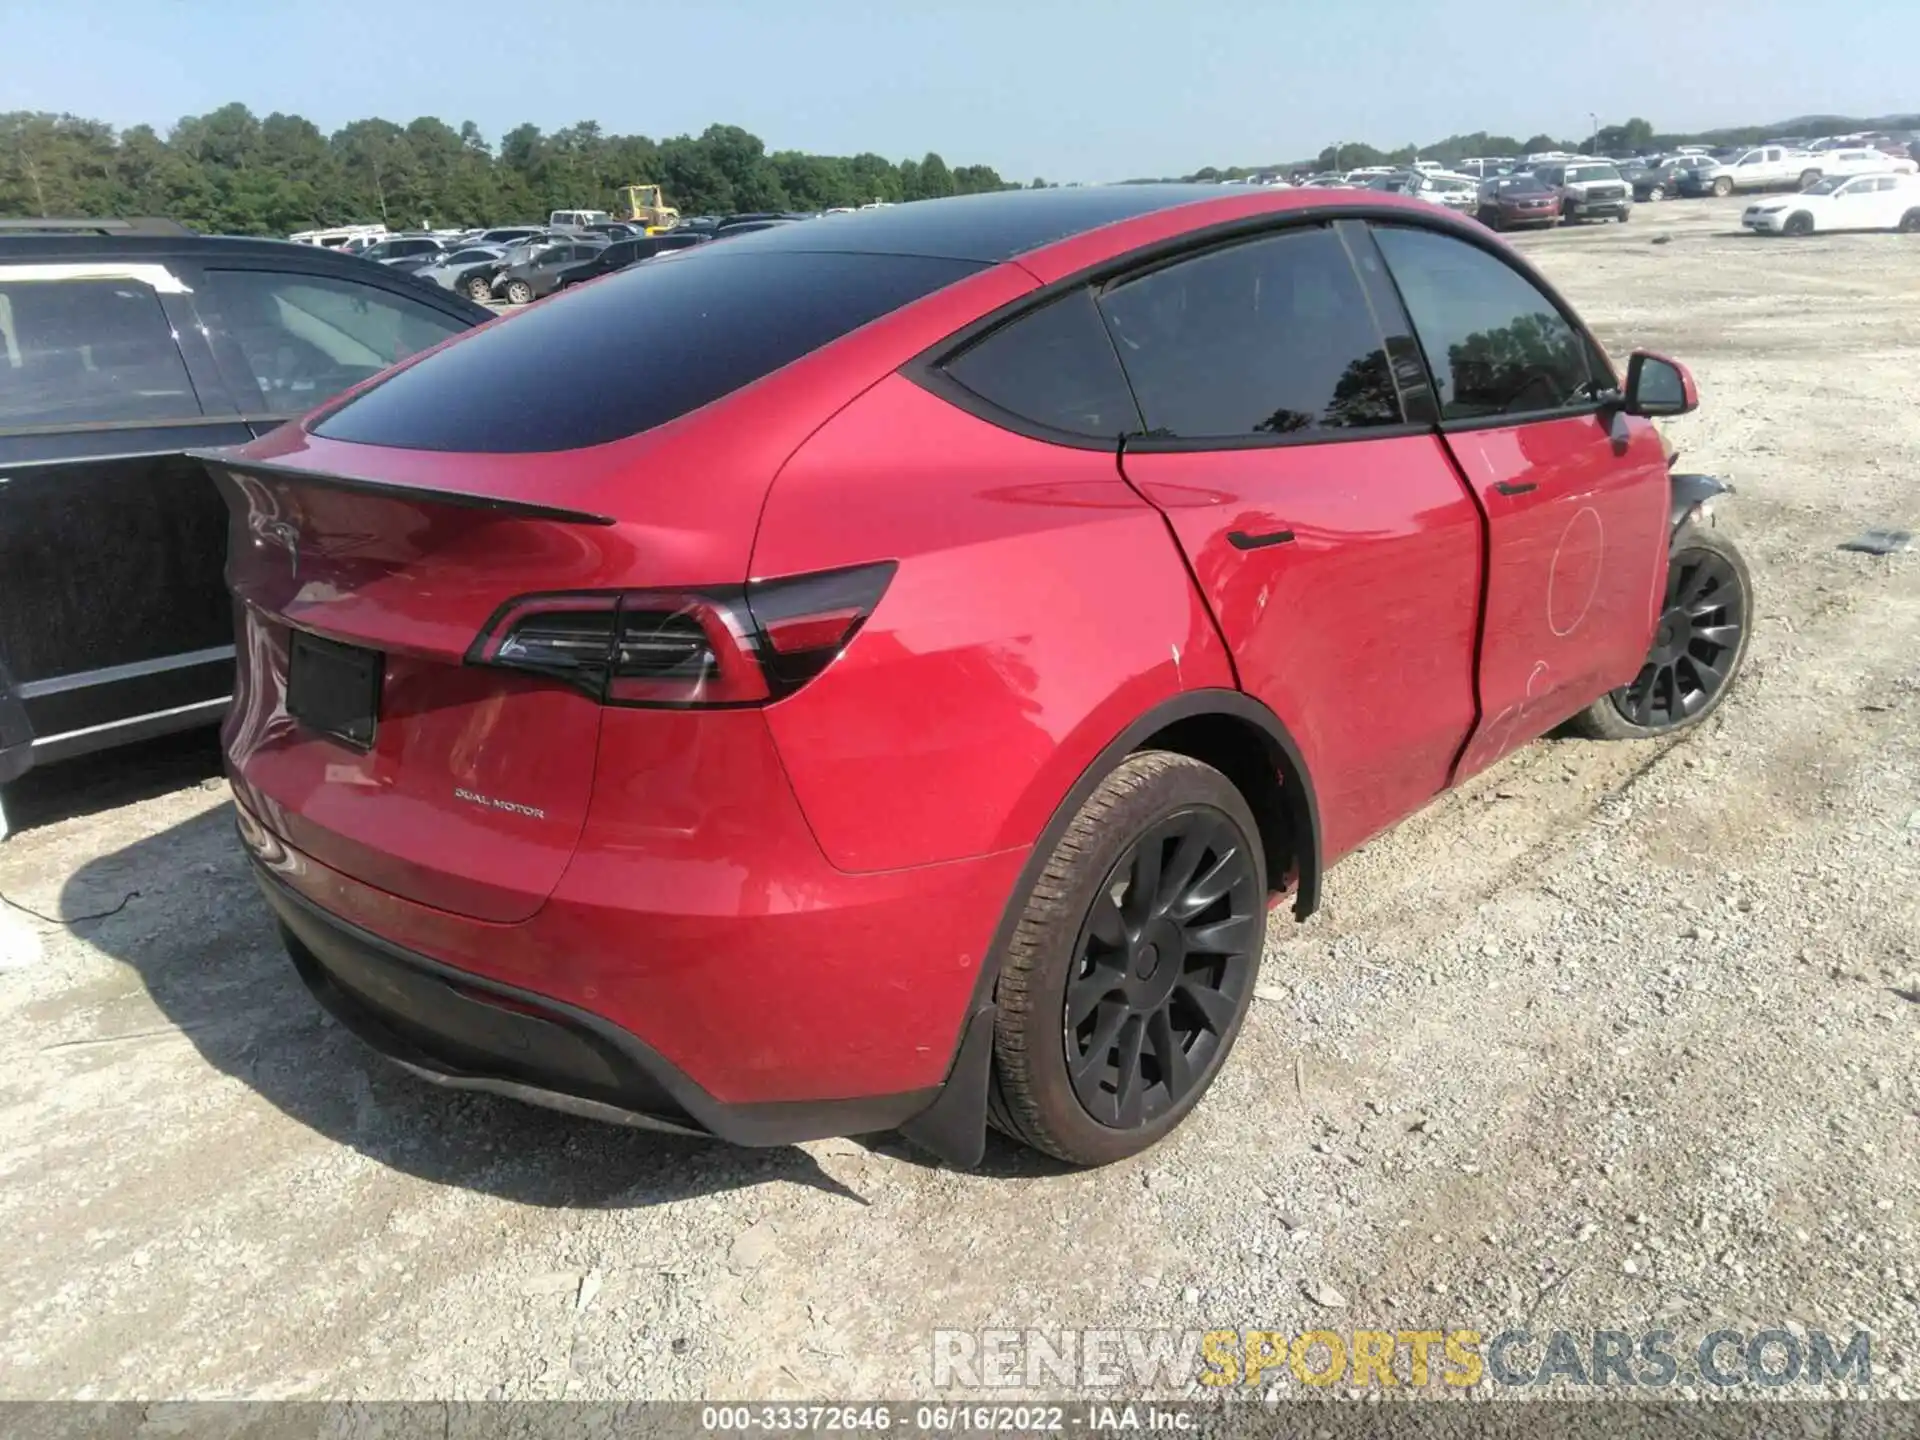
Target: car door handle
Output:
[
  {"x": 1516, "y": 487},
  {"x": 1241, "y": 540}
]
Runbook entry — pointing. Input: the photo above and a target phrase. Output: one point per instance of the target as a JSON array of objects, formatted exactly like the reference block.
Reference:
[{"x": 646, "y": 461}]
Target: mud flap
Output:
[{"x": 954, "y": 1127}]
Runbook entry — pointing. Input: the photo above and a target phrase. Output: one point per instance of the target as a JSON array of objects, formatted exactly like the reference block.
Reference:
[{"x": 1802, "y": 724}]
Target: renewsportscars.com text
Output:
[{"x": 1082, "y": 1361}]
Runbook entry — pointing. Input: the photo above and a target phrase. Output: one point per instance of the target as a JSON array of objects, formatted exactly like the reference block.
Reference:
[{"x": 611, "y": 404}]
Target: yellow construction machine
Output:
[{"x": 647, "y": 205}]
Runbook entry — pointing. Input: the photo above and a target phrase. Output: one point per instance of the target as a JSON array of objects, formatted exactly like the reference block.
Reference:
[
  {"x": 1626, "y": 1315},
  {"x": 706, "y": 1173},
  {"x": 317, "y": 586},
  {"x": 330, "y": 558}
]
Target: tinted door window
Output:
[
  {"x": 1054, "y": 367},
  {"x": 308, "y": 337},
  {"x": 86, "y": 351},
  {"x": 1270, "y": 337},
  {"x": 1495, "y": 343}
]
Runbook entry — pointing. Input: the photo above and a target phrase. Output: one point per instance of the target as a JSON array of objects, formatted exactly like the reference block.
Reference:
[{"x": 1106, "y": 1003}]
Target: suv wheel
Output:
[
  {"x": 480, "y": 290},
  {"x": 1809, "y": 177},
  {"x": 1697, "y": 648},
  {"x": 1658, "y": 192},
  {"x": 1133, "y": 964},
  {"x": 1910, "y": 223},
  {"x": 1722, "y": 188}
]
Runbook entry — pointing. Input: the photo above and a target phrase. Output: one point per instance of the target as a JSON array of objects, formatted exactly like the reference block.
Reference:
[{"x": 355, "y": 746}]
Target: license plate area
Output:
[{"x": 334, "y": 689}]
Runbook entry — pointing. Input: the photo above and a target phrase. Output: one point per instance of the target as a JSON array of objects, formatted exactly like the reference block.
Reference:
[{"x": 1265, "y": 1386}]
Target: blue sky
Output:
[{"x": 1067, "y": 89}]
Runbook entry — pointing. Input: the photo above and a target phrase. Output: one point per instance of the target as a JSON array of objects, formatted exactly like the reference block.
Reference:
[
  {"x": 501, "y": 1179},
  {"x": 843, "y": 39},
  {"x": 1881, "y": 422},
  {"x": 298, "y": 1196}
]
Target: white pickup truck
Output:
[{"x": 1765, "y": 167}]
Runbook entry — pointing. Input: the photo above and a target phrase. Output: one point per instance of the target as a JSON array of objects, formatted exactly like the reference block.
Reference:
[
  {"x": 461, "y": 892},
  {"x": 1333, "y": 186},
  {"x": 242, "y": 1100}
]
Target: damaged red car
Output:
[{"x": 900, "y": 703}]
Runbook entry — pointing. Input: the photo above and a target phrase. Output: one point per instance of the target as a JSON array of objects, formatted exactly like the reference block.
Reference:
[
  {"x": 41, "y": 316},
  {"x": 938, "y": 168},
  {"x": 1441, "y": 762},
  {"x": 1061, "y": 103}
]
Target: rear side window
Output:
[
  {"x": 88, "y": 352},
  {"x": 1494, "y": 341},
  {"x": 644, "y": 346},
  {"x": 305, "y": 338},
  {"x": 1271, "y": 337},
  {"x": 1053, "y": 367}
]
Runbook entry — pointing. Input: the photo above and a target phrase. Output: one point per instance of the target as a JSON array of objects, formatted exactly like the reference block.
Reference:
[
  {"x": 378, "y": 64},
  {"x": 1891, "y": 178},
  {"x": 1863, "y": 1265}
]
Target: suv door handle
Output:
[
  {"x": 1516, "y": 487},
  {"x": 1241, "y": 540}
]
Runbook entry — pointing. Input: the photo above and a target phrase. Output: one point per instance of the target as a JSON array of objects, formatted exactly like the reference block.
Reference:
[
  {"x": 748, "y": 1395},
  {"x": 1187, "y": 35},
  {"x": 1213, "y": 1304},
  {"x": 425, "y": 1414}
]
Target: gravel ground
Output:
[{"x": 1618, "y": 1035}]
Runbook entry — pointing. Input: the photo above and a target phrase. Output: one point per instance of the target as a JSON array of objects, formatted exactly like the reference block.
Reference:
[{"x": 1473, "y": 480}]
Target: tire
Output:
[
  {"x": 1809, "y": 177},
  {"x": 1093, "y": 936},
  {"x": 1704, "y": 566},
  {"x": 1722, "y": 188},
  {"x": 1657, "y": 193},
  {"x": 1625, "y": 216},
  {"x": 479, "y": 290},
  {"x": 1910, "y": 223},
  {"x": 1490, "y": 219},
  {"x": 519, "y": 292},
  {"x": 1798, "y": 223}
]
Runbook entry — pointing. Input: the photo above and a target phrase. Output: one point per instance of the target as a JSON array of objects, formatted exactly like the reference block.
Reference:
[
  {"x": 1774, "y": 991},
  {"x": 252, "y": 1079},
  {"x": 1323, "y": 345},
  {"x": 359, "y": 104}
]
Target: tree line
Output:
[{"x": 232, "y": 172}]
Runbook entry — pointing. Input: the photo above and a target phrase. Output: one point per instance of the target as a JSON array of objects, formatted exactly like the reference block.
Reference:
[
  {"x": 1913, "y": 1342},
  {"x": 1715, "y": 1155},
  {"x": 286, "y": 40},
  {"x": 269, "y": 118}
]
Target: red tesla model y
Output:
[{"x": 880, "y": 672}]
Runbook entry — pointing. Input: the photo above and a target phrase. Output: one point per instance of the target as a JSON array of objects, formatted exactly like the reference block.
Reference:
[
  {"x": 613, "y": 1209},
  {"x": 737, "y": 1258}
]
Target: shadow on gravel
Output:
[
  {"x": 113, "y": 778},
  {"x": 200, "y": 938}
]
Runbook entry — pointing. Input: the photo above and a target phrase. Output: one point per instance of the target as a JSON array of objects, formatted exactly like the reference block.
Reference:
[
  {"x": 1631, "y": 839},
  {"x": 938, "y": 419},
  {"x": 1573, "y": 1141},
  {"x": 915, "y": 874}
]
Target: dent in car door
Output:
[
  {"x": 113, "y": 607},
  {"x": 1575, "y": 493},
  {"x": 1332, "y": 538}
]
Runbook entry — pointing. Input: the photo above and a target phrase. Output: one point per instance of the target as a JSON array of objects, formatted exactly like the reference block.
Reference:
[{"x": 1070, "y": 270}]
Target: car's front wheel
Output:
[
  {"x": 1910, "y": 223},
  {"x": 1133, "y": 963},
  {"x": 1658, "y": 192},
  {"x": 1698, "y": 644},
  {"x": 1722, "y": 187},
  {"x": 1799, "y": 223}
]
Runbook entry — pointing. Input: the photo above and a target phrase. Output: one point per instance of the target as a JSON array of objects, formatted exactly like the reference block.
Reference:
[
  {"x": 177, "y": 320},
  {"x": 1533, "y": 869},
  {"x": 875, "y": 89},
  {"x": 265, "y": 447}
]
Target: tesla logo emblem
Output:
[{"x": 289, "y": 538}]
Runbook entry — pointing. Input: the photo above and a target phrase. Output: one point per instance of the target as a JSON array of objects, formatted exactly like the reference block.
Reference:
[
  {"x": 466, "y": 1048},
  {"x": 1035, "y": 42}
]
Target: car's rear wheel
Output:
[
  {"x": 1722, "y": 187},
  {"x": 519, "y": 292},
  {"x": 1910, "y": 223},
  {"x": 1133, "y": 963},
  {"x": 1799, "y": 223},
  {"x": 1658, "y": 192},
  {"x": 1698, "y": 645},
  {"x": 480, "y": 290},
  {"x": 1809, "y": 177}
]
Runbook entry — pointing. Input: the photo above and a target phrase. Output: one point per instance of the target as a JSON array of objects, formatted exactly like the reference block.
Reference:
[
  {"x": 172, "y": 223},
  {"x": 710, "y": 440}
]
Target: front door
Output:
[
  {"x": 1335, "y": 544},
  {"x": 1575, "y": 493},
  {"x": 113, "y": 612}
]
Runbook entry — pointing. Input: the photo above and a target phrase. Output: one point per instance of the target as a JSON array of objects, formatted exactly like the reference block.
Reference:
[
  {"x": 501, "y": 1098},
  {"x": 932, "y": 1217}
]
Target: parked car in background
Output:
[
  {"x": 510, "y": 234},
  {"x": 1485, "y": 167},
  {"x": 1764, "y": 167},
  {"x": 1515, "y": 202},
  {"x": 401, "y": 247},
  {"x": 527, "y": 277},
  {"x": 1660, "y": 179},
  {"x": 1588, "y": 189},
  {"x": 622, "y": 253},
  {"x": 611, "y": 230},
  {"x": 121, "y": 345},
  {"x": 577, "y": 219},
  {"x": 1859, "y": 160},
  {"x": 339, "y": 235},
  {"x": 1888, "y": 201},
  {"x": 654, "y": 671},
  {"x": 467, "y": 271}
]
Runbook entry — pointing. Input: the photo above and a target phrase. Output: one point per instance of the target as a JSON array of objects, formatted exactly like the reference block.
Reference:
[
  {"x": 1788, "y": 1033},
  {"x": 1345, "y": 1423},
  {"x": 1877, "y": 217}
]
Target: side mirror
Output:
[{"x": 1657, "y": 386}]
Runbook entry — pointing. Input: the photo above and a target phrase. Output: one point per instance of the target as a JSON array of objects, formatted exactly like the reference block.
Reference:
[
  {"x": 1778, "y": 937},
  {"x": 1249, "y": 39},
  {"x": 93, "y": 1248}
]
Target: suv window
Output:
[
  {"x": 750, "y": 312},
  {"x": 1054, "y": 366},
  {"x": 1495, "y": 343},
  {"x": 1269, "y": 337},
  {"x": 88, "y": 351},
  {"x": 308, "y": 337}
]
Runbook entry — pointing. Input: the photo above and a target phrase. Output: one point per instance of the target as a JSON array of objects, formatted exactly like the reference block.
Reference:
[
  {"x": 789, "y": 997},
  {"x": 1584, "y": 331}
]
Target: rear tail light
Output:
[{"x": 741, "y": 645}]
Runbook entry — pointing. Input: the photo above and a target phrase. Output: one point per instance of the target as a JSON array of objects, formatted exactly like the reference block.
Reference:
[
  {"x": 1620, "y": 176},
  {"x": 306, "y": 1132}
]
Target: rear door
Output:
[
  {"x": 1337, "y": 547},
  {"x": 1575, "y": 493},
  {"x": 114, "y": 616}
]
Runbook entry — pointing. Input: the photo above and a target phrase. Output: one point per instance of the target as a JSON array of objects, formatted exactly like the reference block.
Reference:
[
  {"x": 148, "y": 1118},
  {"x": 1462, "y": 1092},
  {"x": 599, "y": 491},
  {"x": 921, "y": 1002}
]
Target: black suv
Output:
[{"x": 123, "y": 344}]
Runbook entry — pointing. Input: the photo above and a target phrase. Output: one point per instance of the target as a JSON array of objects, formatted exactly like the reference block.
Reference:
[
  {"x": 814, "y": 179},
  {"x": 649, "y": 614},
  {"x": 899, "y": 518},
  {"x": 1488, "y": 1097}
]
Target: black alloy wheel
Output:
[
  {"x": 1162, "y": 969},
  {"x": 1800, "y": 223},
  {"x": 1696, "y": 646},
  {"x": 1910, "y": 223}
]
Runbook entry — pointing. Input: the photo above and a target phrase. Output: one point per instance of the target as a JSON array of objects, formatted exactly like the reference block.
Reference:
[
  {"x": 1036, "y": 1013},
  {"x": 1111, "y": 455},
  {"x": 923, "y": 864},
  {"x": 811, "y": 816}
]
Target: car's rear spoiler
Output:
[{"x": 462, "y": 499}]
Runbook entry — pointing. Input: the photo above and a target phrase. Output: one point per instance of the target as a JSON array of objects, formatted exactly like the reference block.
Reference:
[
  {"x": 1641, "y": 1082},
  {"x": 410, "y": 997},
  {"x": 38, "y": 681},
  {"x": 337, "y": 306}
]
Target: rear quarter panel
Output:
[{"x": 1040, "y": 606}]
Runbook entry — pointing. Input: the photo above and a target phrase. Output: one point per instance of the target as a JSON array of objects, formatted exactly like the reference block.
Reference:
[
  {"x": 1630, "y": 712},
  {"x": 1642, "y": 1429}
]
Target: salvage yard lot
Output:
[{"x": 1617, "y": 1035}]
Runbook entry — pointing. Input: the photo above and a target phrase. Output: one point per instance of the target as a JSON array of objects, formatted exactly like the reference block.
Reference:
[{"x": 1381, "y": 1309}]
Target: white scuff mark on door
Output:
[
  {"x": 1178, "y": 678},
  {"x": 157, "y": 278}
]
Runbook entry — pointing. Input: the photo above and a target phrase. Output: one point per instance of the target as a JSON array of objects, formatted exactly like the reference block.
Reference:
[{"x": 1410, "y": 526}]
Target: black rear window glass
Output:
[
  {"x": 81, "y": 350},
  {"x": 649, "y": 344},
  {"x": 1054, "y": 367}
]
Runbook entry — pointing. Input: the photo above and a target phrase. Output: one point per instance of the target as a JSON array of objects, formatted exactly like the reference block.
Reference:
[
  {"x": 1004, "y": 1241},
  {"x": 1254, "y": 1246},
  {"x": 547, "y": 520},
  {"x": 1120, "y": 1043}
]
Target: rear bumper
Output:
[{"x": 467, "y": 1032}]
